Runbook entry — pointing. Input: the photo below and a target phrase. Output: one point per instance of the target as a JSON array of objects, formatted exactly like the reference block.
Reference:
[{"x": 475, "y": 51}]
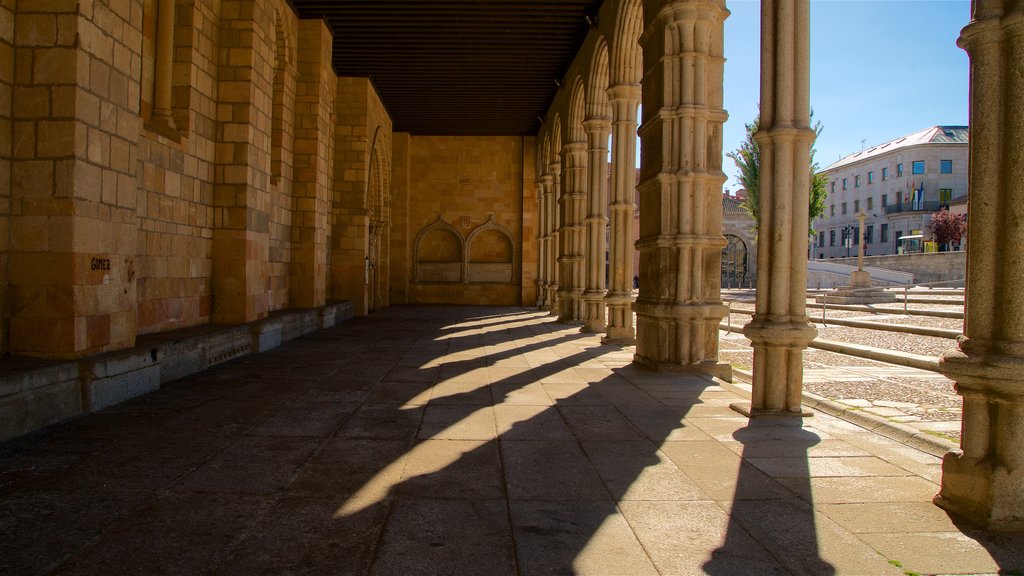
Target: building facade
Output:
[{"x": 897, "y": 185}]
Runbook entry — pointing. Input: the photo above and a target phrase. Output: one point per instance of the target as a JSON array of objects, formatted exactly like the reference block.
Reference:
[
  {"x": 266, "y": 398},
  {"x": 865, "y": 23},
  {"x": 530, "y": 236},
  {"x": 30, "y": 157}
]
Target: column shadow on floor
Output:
[{"x": 784, "y": 524}]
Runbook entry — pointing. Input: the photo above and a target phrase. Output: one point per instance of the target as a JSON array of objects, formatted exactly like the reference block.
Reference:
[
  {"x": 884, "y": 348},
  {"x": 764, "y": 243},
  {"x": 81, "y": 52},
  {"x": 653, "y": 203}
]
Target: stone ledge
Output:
[{"x": 36, "y": 393}]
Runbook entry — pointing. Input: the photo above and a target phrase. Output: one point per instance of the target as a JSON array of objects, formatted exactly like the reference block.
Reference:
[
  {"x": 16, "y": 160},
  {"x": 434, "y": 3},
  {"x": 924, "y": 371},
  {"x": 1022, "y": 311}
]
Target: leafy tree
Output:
[
  {"x": 947, "y": 227},
  {"x": 748, "y": 160}
]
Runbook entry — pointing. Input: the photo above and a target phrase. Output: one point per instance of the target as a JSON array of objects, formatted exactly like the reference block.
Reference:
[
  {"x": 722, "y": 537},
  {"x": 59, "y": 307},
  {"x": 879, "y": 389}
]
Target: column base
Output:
[
  {"x": 619, "y": 336},
  {"x": 746, "y": 409},
  {"x": 983, "y": 494},
  {"x": 593, "y": 326},
  {"x": 719, "y": 370}
]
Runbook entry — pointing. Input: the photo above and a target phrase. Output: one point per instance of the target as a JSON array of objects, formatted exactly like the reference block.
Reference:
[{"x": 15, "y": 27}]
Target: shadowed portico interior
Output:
[
  {"x": 468, "y": 440},
  {"x": 222, "y": 224}
]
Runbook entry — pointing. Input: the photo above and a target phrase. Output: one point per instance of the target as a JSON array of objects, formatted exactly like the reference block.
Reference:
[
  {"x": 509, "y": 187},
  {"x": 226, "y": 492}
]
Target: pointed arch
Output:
[
  {"x": 544, "y": 155},
  {"x": 490, "y": 253},
  {"x": 438, "y": 253},
  {"x": 555, "y": 153},
  {"x": 378, "y": 188},
  {"x": 378, "y": 215},
  {"x": 577, "y": 107},
  {"x": 626, "y": 54},
  {"x": 598, "y": 105}
]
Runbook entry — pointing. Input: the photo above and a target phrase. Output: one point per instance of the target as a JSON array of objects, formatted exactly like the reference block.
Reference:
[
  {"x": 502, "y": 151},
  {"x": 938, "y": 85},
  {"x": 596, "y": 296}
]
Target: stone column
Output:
[
  {"x": 680, "y": 305},
  {"x": 780, "y": 329},
  {"x": 162, "y": 120},
  {"x": 571, "y": 255},
  {"x": 553, "y": 244},
  {"x": 985, "y": 481},
  {"x": 541, "y": 244},
  {"x": 598, "y": 130},
  {"x": 624, "y": 99}
]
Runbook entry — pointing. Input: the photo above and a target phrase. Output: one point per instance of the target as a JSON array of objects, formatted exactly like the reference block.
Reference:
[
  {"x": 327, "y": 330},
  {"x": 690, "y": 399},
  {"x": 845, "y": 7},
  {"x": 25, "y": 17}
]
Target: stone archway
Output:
[
  {"x": 378, "y": 212},
  {"x": 734, "y": 262}
]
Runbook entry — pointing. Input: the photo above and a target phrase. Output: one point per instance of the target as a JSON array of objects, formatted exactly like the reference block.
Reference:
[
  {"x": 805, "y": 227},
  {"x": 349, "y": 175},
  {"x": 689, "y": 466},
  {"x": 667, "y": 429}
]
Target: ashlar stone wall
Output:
[
  {"x": 6, "y": 87},
  {"x": 171, "y": 164},
  {"x": 468, "y": 181}
]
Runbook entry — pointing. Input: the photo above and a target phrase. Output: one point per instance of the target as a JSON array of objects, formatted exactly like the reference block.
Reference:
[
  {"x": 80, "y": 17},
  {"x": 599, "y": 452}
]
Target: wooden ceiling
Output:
[{"x": 458, "y": 67}]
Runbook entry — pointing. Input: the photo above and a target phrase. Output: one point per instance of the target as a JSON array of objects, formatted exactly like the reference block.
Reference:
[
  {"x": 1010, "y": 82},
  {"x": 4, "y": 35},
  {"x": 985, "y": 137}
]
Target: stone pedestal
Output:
[
  {"x": 860, "y": 291},
  {"x": 984, "y": 483}
]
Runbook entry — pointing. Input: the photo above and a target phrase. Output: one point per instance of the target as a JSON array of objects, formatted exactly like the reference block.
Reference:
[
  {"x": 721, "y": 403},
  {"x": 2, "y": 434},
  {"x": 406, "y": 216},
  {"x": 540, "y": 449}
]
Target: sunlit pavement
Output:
[{"x": 466, "y": 440}]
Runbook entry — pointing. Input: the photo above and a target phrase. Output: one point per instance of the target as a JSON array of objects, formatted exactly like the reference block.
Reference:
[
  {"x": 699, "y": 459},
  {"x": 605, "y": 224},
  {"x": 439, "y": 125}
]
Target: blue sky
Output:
[{"x": 880, "y": 69}]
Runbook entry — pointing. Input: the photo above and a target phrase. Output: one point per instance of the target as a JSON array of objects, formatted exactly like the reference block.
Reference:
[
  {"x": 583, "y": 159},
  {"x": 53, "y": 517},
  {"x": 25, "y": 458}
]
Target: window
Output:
[
  {"x": 832, "y": 210},
  {"x": 946, "y": 166},
  {"x": 844, "y": 183},
  {"x": 844, "y": 207},
  {"x": 871, "y": 177},
  {"x": 871, "y": 202},
  {"x": 885, "y": 200},
  {"x": 856, "y": 236},
  {"x": 869, "y": 233},
  {"x": 885, "y": 173},
  {"x": 856, "y": 181},
  {"x": 833, "y": 187},
  {"x": 821, "y": 239},
  {"x": 884, "y": 232},
  {"x": 856, "y": 206},
  {"x": 831, "y": 237},
  {"x": 945, "y": 195},
  {"x": 899, "y": 197},
  {"x": 918, "y": 167},
  {"x": 899, "y": 170}
]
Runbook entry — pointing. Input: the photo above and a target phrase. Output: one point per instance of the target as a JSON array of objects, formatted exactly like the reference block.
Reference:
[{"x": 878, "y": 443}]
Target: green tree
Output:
[{"x": 748, "y": 160}]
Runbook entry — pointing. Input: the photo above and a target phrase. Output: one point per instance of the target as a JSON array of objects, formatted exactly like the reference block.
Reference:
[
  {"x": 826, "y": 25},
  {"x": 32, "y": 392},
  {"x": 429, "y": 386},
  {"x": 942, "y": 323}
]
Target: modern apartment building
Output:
[{"x": 898, "y": 185}]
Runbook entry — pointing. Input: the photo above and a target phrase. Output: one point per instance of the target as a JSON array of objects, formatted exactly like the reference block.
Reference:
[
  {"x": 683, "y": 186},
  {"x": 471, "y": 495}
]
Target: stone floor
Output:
[{"x": 459, "y": 441}]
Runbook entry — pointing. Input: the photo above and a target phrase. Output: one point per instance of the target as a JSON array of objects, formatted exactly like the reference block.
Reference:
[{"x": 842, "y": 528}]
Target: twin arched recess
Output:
[{"x": 486, "y": 256}]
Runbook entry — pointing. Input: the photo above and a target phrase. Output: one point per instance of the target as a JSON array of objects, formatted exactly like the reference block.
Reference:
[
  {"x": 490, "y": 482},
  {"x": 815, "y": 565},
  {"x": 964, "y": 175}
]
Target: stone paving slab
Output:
[{"x": 463, "y": 440}]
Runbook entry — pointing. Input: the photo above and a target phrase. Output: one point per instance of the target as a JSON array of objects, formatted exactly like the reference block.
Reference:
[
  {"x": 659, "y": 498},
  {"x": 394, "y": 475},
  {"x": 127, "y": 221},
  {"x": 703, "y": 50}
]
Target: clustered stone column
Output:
[
  {"x": 598, "y": 130},
  {"x": 985, "y": 481},
  {"x": 780, "y": 329},
  {"x": 555, "y": 169},
  {"x": 625, "y": 98},
  {"x": 571, "y": 255},
  {"x": 542, "y": 245},
  {"x": 680, "y": 306}
]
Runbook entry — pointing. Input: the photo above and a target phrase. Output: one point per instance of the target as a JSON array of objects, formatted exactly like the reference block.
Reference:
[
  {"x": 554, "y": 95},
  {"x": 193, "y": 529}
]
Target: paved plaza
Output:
[{"x": 469, "y": 440}]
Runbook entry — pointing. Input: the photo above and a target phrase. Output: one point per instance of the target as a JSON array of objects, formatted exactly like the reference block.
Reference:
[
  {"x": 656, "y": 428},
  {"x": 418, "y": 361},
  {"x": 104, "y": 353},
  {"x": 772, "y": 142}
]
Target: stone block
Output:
[
  {"x": 114, "y": 378},
  {"x": 298, "y": 323},
  {"x": 33, "y": 398},
  {"x": 227, "y": 345},
  {"x": 180, "y": 358}
]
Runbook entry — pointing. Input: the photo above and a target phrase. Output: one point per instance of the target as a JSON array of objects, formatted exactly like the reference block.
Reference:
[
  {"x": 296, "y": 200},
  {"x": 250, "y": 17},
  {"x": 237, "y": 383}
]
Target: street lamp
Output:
[{"x": 848, "y": 237}]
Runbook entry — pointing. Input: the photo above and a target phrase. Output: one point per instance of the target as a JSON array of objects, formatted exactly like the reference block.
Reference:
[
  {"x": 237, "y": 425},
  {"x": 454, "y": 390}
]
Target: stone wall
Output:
[
  {"x": 177, "y": 164},
  {"x": 359, "y": 203},
  {"x": 947, "y": 267},
  {"x": 465, "y": 181},
  {"x": 6, "y": 86},
  {"x": 125, "y": 214}
]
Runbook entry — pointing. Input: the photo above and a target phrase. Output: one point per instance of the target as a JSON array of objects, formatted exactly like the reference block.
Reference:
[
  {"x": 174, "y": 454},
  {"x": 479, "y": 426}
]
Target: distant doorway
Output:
[{"x": 734, "y": 262}]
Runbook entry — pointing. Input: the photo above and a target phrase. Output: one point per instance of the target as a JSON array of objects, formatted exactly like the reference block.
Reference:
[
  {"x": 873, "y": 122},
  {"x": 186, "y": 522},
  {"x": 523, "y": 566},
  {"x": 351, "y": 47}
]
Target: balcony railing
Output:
[{"x": 928, "y": 206}]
